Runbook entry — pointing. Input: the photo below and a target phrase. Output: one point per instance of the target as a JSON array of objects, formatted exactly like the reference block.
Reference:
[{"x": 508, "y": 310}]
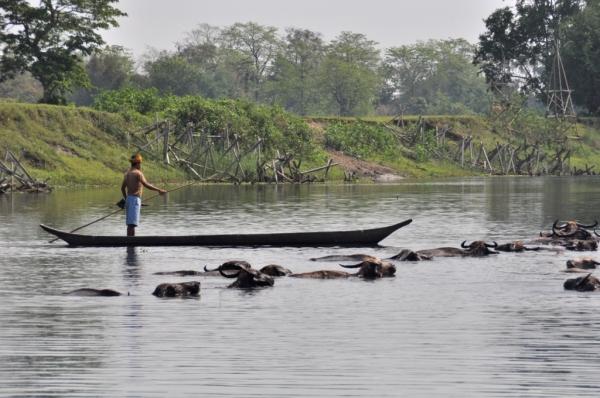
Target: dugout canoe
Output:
[{"x": 360, "y": 237}]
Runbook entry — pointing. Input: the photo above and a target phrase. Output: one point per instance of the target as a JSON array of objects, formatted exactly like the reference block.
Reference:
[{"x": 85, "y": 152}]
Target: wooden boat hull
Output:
[{"x": 362, "y": 237}]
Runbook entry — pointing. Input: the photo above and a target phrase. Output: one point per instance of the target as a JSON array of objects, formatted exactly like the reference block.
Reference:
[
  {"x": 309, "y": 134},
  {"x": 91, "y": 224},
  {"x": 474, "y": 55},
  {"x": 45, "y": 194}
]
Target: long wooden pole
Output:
[{"x": 117, "y": 211}]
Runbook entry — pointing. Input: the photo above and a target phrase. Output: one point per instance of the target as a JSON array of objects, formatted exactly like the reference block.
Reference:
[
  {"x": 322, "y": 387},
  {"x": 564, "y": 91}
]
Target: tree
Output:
[
  {"x": 436, "y": 76},
  {"x": 581, "y": 57},
  {"x": 110, "y": 68},
  {"x": 22, "y": 87},
  {"x": 49, "y": 40},
  {"x": 173, "y": 74},
  {"x": 252, "y": 49},
  {"x": 518, "y": 47},
  {"x": 349, "y": 73},
  {"x": 294, "y": 80}
]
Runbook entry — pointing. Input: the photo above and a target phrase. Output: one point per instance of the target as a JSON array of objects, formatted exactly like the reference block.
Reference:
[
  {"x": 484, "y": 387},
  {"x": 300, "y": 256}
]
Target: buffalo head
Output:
[
  {"x": 478, "y": 248},
  {"x": 582, "y": 263},
  {"x": 515, "y": 247},
  {"x": 275, "y": 270},
  {"x": 572, "y": 230},
  {"x": 586, "y": 283},
  {"x": 582, "y": 245},
  {"x": 373, "y": 268},
  {"x": 409, "y": 255},
  {"x": 177, "y": 289},
  {"x": 246, "y": 277}
]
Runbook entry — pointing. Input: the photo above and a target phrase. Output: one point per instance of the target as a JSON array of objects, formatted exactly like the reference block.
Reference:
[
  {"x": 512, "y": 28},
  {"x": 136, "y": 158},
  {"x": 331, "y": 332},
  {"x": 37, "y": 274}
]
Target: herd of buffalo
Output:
[{"x": 570, "y": 235}]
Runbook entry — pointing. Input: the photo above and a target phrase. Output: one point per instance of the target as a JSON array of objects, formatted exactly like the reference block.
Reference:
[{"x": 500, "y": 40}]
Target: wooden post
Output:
[
  {"x": 166, "y": 143},
  {"x": 487, "y": 159}
]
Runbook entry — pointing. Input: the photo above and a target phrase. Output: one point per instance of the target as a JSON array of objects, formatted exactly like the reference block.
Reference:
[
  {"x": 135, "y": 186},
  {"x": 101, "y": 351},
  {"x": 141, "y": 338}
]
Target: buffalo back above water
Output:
[{"x": 177, "y": 289}]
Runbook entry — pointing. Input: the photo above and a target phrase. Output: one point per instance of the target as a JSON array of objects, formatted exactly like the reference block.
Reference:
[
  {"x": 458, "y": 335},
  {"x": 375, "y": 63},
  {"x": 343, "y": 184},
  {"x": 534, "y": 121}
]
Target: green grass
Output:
[{"x": 72, "y": 146}]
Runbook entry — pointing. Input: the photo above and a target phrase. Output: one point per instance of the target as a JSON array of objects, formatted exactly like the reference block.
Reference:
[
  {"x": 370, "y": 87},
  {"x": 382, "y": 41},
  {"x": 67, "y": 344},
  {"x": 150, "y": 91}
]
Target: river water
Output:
[{"x": 481, "y": 327}]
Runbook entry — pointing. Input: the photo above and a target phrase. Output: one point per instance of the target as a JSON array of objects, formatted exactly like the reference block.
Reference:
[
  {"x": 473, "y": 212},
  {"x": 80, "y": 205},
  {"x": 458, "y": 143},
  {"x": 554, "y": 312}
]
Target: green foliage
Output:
[
  {"x": 361, "y": 139},
  {"x": 130, "y": 100},
  {"x": 349, "y": 73},
  {"x": 278, "y": 130},
  {"x": 434, "y": 77},
  {"x": 522, "y": 41},
  {"x": 22, "y": 87},
  {"x": 581, "y": 50},
  {"x": 294, "y": 81},
  {"x": 110, "y": 68},
  {"x": 48, "y": 40},
  {"x": 173, "y": 74}
]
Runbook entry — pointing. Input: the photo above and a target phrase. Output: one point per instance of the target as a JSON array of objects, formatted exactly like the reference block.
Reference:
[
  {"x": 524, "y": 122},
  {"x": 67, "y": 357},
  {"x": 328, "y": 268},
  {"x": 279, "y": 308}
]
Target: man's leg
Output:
[{"x": 132, "y": 213}]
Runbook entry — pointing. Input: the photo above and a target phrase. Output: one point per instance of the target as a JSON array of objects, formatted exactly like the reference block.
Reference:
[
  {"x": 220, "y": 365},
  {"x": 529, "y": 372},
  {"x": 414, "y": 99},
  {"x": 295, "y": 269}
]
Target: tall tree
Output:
[
  {"x": 350, "y": 73},
  {"x": 22, "y": 87},
  {"x": 436, "y": 76},
  {"x": 581, "y": 57},
  {"x": 518, "y": 46},
  {"x": 252, "y": 50},
  {"x": 173, "y": 74},
  {"x": 294, "y": 80},
  {"x": 49, "y": 39},
  {"x": 109, "y": 68}
]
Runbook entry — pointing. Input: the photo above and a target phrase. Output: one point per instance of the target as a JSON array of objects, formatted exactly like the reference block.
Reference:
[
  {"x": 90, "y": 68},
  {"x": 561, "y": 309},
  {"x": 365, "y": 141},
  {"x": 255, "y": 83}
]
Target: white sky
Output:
[{"x": 161, "y": 23}]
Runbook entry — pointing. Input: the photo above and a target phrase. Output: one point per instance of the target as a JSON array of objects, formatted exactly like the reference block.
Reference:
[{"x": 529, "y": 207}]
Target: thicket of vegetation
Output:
[{"x": 255, "y": 82}]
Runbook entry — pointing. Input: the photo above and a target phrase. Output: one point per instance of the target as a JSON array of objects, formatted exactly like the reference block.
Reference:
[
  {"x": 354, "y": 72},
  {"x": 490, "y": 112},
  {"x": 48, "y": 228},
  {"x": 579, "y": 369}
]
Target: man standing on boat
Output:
[{"x": 132, "y": 188}]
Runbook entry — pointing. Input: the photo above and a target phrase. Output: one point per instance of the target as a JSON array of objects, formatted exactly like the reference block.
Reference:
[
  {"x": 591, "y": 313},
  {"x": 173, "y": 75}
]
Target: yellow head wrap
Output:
[{"x": 137, "y": 158}]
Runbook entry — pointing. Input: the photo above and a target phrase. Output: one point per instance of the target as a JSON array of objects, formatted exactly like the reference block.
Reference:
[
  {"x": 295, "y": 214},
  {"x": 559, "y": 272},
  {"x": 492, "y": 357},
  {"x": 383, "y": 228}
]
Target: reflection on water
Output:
[{"x": 500, "y": 326}]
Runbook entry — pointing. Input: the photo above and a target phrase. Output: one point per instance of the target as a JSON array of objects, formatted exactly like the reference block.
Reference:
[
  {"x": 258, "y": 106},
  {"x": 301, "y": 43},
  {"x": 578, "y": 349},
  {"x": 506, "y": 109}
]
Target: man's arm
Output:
[
  {"x": 150, "y": 186},
  {"x": 123, "y": 186}
]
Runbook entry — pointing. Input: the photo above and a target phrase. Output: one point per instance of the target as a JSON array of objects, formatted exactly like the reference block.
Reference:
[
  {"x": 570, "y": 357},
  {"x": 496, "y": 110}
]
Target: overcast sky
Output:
[{"x": 159, "y": 23}]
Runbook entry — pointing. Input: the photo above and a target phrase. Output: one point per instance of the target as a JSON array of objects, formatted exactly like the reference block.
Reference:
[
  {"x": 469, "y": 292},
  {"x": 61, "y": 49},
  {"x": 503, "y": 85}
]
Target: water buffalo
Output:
[
  {"x": 409, "y": 255},
  {"x": 325, "y": 274},
  {"x": 569, "y": 230},
  {"x": 275, "y": 270},
  {"x": 373, "y": 268},
  {"x": 515, "y": 247},
  {"x": 582, "y": 263},
  {"x": 477, "y": 248},
  {"x": 177, "y": 289},
  {"x": 586, "y": 283},
  {"x": 246, "y": 276},
  {"x": 89, "y": 292},
  {"x": 581, "y": 245}
]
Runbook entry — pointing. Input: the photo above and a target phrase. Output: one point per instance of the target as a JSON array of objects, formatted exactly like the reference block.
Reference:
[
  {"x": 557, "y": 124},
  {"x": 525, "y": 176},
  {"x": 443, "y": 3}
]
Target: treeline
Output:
[
  {"x": 297, "y": 70},
  {"x": 54, "y": 53}
]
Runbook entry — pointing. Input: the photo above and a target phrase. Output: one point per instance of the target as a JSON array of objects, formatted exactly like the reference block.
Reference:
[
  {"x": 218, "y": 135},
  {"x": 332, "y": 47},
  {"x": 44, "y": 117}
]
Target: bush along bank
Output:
[{"x": 238, "y": 141}]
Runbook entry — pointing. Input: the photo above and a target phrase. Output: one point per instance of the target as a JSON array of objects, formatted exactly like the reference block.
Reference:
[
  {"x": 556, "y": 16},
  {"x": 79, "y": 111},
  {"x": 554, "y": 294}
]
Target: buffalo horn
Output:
[
  {"x": 351, "y": 266},
  {"x": 555, "y": 225},
  {"x": 495, "y": 245},
  {"x": 581, "y": 282},
  {"x": 594, "y": 225},
  {"x": 210, "y": 270},
  {"x": 464, "y": 245},
  {"x": 226, "y": 275}
]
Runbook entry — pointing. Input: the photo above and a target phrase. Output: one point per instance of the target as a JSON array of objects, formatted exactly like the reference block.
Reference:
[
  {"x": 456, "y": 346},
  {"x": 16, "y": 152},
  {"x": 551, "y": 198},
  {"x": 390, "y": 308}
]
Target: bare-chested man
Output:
[{"x": 132, "y": 188}]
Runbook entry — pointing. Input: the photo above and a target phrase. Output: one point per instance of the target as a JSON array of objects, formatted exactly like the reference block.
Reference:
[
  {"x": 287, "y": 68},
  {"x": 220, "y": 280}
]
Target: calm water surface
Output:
[{"x": 500, "y": 326}]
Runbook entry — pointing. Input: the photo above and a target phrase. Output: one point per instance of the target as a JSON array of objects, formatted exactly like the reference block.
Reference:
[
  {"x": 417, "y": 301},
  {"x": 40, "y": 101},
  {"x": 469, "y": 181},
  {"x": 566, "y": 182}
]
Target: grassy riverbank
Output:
[
  {"x": 73, "y": 146},
  {"x": 81, "y": 146}
]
